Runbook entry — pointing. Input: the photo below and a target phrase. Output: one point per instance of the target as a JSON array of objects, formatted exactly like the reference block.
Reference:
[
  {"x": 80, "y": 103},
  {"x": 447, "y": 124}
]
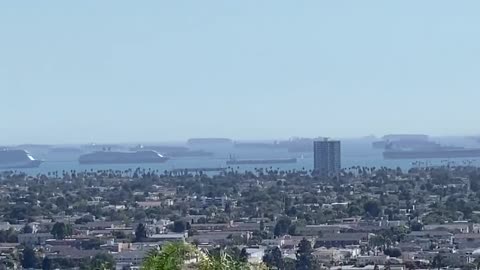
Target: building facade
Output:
[{"x": 326, "y": 155}]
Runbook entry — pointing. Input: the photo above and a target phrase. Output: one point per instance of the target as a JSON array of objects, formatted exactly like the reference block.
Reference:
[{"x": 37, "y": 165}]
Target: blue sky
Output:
[{"x": 120, "y": 71}]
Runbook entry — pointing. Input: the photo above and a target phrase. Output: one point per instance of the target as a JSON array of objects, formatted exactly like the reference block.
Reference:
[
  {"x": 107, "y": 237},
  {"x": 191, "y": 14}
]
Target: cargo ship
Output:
[
  {"x": 234, "y": 161},
  {"x": 108, "y": 157},
  {"x": 402, "y": 140},
  {"x": 379, "y": 144},
  {"x": 429, "y": 150},
  {"x": 190, "y": 153},
  {"x": 173, "y": 151},
  {"x": 159, "y": 148},
  {"x": 209, "y": 141},
  {"x": 16, "y": 159},
  {"x": 293, "y": 145},
  {"x": 406, "y": 137},
  {"x": 93, "y": 147},
  {"x": 298, "y": 145},
  {"x": 254, "y": 145}
]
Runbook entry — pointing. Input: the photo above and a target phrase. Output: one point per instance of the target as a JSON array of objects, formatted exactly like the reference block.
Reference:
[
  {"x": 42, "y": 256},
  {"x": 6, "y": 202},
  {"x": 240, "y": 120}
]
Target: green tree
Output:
[
  {"x": 61, "y": 230},
  {"x": 102, "y": 261},
  {"x": 354, "y": 210},
  {"x": 172, "y": 256},
  {"x": 27, "y": 229},
  {"x": 221, "y": 261},
  {"x": 305, "y": 259},
  {"x": 46, "y": 264},
  {"x": 8, "y": 236},
  {"x": 179, "y": 226},
  {"x": 372, "y": 208},
  {"x": 243, "y": 257},
  {"x": 282, "y": 226},
  {"x": 140, "y": 232},
  {"x": 61, "y": 203},
  {"x": 273, "y": 258},
  {"x": 292, "y": 230},
  {"x": 378, "y": 241},
  {"x": 416, "y": 226},
  {"x": 29, "y": 259}
]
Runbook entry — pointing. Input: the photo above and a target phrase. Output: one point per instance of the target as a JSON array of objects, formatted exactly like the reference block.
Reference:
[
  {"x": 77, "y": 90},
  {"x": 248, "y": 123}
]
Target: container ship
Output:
[
  {"x": 159, "y": 148},
  {"x": 209, "y": 141},
  {"x": 107, "y": 157},
  {"x": 234, "y": 161},
  {"x": 173, "y": 151},
  {"x": 254, "y": 145},
  {"x": 293, "y": 145},
  {"x": 298, "y": 145},
  {"x": 190, "y": 153},
  {"x": 427, "y": 150},
  {"x": 379, "y": 144},
  {"x": 444, "y": 152},
  {"x": 15, "y": 159},
  {"x": 401, "y": 140}
]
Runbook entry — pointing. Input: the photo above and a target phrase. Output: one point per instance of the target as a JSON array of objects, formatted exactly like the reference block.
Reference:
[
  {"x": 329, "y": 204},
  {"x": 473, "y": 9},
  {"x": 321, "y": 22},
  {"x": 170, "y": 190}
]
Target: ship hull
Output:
[
  {"x": 261, "y": 161},
  {"x": 464, "y": 153},
  {"x": 122, "y": 161},
  {"x": 139, "y": 157},
  {"x": 379, "y": 145},
  {"x": 22, "y": 165},
  {"x": 255, "y": 145},
  {"x": 199, "y": 153}
]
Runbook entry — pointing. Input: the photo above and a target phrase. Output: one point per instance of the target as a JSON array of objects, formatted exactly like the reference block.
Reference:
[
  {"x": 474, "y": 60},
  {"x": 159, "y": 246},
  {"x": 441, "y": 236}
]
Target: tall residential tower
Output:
[{"x": 326, "y": 156}]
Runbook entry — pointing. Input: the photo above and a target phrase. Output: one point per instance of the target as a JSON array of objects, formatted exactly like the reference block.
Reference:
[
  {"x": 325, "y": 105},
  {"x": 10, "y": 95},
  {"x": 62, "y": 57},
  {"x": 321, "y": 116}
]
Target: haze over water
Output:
[{"x": 355, "y": 152}]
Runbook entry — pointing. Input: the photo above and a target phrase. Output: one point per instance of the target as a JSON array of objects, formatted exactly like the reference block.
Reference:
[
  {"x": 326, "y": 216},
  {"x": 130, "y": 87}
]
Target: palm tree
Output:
[
  {"x": 222, "y": 261},
  {"x": 173, "y": 256}
]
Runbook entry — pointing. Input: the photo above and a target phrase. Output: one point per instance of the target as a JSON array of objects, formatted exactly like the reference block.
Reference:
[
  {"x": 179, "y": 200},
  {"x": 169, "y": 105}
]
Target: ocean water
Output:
[{"x": 354, "y": 153}]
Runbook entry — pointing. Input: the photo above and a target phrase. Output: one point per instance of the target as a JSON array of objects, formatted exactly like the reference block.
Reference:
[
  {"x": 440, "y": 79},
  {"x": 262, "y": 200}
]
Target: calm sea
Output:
[{"x": 354, "y": 153}]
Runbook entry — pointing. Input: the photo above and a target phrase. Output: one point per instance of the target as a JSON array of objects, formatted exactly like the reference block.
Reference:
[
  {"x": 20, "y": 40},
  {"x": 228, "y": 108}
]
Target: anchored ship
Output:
[
  {"x": 13, "y": 159},
  {"x": 190, "y": 153},
  {"x": 209, "y": 141},
  {"x": 107, "y": 157},
  {"x": 446, "y": 152},
  {"x": 254, "y": 145},
  {"x": 293, "y": 145},
  {"x": 173, "y": 151},
  {"x": 234, "y": 161},
  {"x": 402, "y": 140},
  {"x": 426, "y": 150}
]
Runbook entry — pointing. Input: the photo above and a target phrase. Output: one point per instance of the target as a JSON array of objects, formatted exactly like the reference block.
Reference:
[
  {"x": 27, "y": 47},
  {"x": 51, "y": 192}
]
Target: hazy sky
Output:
[{"x": 119, "y": 71}]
